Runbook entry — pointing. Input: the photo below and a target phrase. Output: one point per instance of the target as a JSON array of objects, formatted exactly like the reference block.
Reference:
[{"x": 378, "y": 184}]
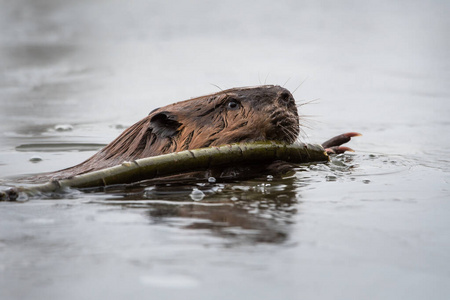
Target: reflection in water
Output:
[{"x": 245, "y": 212}]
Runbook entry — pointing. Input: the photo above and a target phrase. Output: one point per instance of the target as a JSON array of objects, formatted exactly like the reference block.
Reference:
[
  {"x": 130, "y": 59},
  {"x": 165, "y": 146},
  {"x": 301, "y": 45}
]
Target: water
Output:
[{"x": 373, "y": 224}]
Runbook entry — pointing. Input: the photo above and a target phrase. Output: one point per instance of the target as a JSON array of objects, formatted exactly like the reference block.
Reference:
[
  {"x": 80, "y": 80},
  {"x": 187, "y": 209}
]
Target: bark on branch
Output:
[{"x": 180, "y": 162}]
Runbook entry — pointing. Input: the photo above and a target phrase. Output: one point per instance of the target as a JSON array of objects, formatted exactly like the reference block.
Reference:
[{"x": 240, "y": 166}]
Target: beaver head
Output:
[
  {"x": 231, "y": 116},
  {"x": 245, "y": 114}
]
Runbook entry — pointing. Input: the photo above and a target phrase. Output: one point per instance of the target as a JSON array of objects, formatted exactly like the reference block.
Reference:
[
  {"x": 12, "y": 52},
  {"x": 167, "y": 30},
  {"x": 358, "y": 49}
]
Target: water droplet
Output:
[
  {"x": 211, "y": 179},
  {"x": 331, "y": 178},
  {"x": 149, "y": 192},
  {"x": 197, "y": 195},
  {"x": 35, "y": 158},
  {"x": 63, "y": 127},
  {"x": 22, "y": 197},
  {"x": 283, "y": 197},
  {"x": 269, "y": 177}
]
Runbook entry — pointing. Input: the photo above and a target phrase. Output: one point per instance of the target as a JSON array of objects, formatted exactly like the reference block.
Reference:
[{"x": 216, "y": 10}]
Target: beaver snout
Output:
[{"x": 285, "y": 99}]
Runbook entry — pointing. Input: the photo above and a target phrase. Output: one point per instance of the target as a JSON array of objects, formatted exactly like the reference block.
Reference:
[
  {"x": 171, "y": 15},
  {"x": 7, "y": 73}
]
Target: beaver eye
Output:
[{"x": 233, "y": 104}]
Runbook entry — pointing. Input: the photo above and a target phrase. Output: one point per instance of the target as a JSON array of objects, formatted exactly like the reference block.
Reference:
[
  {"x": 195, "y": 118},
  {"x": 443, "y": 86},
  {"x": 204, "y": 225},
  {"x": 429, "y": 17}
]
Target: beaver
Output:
[{"x": 245, "y": 114}]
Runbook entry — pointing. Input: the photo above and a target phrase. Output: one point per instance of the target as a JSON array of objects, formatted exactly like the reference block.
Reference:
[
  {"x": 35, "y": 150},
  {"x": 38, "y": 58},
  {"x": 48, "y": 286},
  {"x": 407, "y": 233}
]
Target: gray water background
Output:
[{"x": 371, "y": 225}]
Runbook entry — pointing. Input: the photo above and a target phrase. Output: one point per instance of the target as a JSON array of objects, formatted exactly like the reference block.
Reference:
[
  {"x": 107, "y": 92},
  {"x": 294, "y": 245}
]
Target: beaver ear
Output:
[{"x": 164, "y": 124}]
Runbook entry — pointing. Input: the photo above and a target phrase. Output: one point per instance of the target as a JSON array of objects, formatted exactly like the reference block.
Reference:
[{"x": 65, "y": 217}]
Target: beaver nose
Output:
[{"x": 285, "y": 98}]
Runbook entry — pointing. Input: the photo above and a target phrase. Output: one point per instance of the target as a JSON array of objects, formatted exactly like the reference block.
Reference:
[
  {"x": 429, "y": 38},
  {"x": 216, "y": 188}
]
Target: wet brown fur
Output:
[{"x": 236, "y": 115}]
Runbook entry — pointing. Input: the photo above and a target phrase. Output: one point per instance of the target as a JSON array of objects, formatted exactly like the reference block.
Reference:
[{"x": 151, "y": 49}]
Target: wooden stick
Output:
[{"x": 181, "y": 162}]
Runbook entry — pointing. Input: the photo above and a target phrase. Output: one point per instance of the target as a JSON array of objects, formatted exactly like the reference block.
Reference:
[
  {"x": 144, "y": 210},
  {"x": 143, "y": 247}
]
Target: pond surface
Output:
[{"x": 373, "y": 224}]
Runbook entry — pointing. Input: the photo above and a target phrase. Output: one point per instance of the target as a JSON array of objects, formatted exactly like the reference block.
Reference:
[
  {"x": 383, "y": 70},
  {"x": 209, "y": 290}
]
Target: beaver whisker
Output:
[
  {"x": 277, "y": 113},
  {"x": 216, "y": 86},
  {"x": 265, "y": 80},
  {"x": 286, "y": 134},
  {"x": 308, "y": 123},
  {"x": 289, "y": 136},
  {"x": 313, "y": 101},
  {"x": 292, "y": 135},
  {"x": 284, "y": 122},
  {"x": 301, "y": 83},
  {"x": 278, "y": 117}
]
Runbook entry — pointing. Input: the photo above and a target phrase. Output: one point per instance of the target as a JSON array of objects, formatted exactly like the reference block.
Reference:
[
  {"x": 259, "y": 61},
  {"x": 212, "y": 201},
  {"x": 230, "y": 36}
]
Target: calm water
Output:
[{"x": 374, "y": 224}]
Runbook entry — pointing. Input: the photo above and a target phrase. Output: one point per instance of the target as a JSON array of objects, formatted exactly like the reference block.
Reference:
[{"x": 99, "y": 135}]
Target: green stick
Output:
[{"x": 187, "y": 161}]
